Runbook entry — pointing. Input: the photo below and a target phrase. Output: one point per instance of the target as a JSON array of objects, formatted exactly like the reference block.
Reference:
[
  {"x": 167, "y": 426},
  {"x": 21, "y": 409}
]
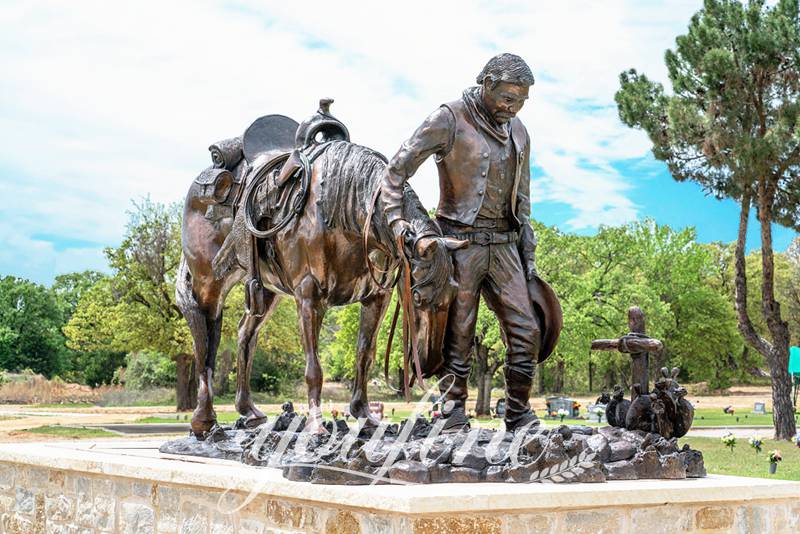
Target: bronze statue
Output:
[
  {"x": 665, "y": 411},
  {"x": 301, "y": 197},
  {"x": 482, "y": 151}
]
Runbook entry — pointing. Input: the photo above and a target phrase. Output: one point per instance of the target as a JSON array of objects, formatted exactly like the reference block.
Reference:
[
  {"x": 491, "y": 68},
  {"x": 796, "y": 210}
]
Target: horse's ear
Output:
[{"x": 455, "y": 244}]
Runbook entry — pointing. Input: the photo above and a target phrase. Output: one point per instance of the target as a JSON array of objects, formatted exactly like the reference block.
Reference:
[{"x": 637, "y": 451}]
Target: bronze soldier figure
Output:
[{"x": 482, "y": 151}]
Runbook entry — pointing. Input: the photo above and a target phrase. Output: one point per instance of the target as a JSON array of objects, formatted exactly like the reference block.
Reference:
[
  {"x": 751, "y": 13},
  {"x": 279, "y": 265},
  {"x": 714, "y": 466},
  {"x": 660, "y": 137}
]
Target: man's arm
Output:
[
  {"x": 435, "y": 135},
  {"x": 527, "y": 238}
]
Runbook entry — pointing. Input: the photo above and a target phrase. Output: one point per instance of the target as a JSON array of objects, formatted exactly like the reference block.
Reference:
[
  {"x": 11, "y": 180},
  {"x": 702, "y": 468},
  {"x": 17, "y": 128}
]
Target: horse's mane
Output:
[{"x": 349, "y": 174}]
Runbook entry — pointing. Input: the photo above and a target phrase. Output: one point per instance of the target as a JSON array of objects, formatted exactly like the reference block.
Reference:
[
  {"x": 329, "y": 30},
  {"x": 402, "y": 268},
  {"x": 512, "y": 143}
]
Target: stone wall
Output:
[{"x": 42, "y": 500}]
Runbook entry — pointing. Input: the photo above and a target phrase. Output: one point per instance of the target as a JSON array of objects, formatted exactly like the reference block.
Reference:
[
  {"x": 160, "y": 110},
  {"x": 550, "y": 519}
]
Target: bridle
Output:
[{"x": 405, "y": 298}]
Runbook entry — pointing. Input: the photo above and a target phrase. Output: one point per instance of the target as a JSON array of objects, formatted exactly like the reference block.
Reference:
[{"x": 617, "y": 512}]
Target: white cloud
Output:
[{"x": 102, "y": 102}]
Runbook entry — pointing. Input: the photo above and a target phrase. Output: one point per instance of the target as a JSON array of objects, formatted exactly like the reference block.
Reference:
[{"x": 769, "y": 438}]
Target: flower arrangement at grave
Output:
[
  {"x": 729, "y": 440},
  {"x": 562, "y": 413},
  {"x": 756, "y": 443},
  {"x": 774, "y": 458},
  {"x": 599, "y": 412}
]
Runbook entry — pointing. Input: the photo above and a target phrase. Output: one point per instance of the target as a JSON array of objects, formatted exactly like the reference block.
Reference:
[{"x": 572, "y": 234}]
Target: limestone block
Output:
[
  {"x": 108, "y": 487},
  {"x": 762, "y": 518},
  {"x": 530, "y": 524},
  {"x": 593, "y": 522},
  {"x": 16, "y": 524},
  {"x": 251, "y": 526},
  {"x": 7, "y": 474},
  {"x": 456, "y": 524},
  {"x": 377, "y": 524},
  {"x": 222, "y": 523},
  {"x": 194, "y": 523},
  {"x": 6, "y": 503},
  {"x": 37, "y": 477},
  {"x": 25, "y": 501},
  {"x": 661, "y": 519},
  {"x": 711, "y": 517},
  {"x": 62, "y": 528},
  {"x": 58, "y": 507},
  {"x": 283, "y": 514},
  {"x": 793, "y": 514},
  {"x": 342, "y": 523},
  {"x": 56, "y": 478},
  {"x": 136, "y": 518},
  {"x": 97, "y": 512},
  {"x": 78, "y": 483}
]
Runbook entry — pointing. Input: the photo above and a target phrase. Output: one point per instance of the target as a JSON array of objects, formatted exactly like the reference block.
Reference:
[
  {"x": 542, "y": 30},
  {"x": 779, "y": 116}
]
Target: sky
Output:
[{"x": 103, "y": 103}]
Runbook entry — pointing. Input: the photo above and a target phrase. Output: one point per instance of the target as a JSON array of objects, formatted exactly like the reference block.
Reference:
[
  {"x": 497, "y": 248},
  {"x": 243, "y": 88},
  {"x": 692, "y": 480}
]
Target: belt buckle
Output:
[{"x": 483, "y": 238}]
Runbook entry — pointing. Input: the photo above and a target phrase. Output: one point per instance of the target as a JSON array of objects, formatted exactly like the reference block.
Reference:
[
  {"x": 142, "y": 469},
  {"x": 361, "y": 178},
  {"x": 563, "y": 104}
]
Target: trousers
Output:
[{"x": 495, "y": 272}]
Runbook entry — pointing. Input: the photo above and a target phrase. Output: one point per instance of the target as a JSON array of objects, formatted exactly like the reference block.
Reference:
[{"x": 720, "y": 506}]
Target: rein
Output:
[{"x": 409, "y": 329}]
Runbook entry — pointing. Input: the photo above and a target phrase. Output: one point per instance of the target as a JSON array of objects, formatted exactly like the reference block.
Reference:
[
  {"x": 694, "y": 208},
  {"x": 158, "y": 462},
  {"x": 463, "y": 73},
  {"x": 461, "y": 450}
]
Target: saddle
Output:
[{"x": 278, "y": 152}]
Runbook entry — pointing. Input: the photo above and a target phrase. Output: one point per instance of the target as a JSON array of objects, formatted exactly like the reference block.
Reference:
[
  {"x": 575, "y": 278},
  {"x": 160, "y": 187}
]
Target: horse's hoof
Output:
[
  {"x": 316, "y": 428},
  {"x": 202, "y": 427},
  {"x": 250, "y": 422}
]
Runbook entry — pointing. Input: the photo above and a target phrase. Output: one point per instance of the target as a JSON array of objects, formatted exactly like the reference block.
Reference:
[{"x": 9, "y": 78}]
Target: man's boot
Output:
[
  {"x": 518, "y": 408},
  {"x": 453, "y": 404}
]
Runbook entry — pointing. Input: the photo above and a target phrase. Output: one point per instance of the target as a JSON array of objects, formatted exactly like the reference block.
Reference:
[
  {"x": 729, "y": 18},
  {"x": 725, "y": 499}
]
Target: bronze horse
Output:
[{"x": 321, "y": 261}]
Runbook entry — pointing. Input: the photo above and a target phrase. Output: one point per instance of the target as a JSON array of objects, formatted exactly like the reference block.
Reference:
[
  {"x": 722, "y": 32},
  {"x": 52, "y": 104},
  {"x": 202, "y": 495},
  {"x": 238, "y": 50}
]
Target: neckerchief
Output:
[{"x": 477, "y": 112}]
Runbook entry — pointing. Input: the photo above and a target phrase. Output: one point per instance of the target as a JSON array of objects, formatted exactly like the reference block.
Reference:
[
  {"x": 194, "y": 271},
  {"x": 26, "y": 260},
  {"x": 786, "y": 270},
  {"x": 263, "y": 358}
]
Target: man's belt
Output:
[
  {"x": 498, "y": 225},
  {"x": 487, "y": 238}
]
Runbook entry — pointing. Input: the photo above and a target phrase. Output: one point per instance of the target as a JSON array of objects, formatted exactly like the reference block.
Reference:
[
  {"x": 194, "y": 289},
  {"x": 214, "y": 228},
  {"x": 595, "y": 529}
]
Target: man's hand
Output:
[
  {"x": 530, "y": 269},
  {"x": 400, "y": 227}
]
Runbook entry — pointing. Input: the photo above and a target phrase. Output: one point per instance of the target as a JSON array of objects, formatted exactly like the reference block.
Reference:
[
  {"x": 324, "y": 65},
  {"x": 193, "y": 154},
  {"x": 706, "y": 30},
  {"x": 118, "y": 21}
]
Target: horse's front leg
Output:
[
  {"x": 310, "y": 312},
  {"x": 372, "y": 312}
]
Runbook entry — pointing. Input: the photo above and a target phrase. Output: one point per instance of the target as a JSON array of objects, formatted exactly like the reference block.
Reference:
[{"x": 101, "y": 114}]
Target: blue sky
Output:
[{"x": 103, "y": 103}]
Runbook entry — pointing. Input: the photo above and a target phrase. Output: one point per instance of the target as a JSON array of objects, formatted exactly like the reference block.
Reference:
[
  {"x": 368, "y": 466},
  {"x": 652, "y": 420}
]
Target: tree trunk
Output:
[
  {"x": 777, "y": 352},
  {"x": 558, "y": 385},
  {"x": 224, "y": 366},
  {"x": 400, "y": 381},
  {"x": 778, "y": 359},
  {"x": 540, "y": 369},
  {"x": 186, "y": 384}
]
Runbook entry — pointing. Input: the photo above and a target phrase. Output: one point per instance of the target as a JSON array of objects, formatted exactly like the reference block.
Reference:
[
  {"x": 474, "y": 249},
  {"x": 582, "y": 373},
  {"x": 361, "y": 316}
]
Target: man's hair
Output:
[{"x": 508, "y": 68}]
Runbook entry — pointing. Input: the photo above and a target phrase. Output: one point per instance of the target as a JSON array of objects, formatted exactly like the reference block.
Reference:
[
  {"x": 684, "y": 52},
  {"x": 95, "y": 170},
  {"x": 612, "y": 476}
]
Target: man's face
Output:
[{"x": 504, "y": 101}]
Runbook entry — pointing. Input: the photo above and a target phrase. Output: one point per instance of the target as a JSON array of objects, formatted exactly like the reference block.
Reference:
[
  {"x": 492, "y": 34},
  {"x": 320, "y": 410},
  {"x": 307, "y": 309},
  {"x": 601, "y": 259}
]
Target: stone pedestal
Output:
[{"x": 129, "y": 487}]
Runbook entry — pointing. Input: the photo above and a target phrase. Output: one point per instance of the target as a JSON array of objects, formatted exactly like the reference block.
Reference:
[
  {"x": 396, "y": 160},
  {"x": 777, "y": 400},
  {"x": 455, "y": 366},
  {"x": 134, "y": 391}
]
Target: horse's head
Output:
[{"x": 432, "y": 291}]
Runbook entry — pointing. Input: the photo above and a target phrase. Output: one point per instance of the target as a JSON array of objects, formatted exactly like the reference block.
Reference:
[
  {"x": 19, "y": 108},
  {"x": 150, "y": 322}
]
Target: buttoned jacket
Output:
[{"x": 462, "y": 157}]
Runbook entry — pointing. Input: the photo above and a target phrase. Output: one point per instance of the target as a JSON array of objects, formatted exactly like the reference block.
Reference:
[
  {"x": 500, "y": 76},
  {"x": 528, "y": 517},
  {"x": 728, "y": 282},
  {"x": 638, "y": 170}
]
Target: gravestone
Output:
[{"x": 760, "y": 408}]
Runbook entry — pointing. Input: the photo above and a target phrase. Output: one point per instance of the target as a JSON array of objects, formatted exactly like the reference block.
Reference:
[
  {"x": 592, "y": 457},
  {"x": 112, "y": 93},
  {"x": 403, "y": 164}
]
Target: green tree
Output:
[
  {"x": 93, "y": 367},
  {"x": 134, "y": 309},
  {"x": 30, "y": 323},
  {"x": 731, "y": 125}
]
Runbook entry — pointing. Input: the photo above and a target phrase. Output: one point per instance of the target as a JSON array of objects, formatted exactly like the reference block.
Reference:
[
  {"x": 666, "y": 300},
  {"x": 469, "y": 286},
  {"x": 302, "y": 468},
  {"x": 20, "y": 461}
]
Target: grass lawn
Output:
[
  {"x": 715, "y": 417},
  {"x": 71, "y": 432},
  {"x": 744, "y": 461}
]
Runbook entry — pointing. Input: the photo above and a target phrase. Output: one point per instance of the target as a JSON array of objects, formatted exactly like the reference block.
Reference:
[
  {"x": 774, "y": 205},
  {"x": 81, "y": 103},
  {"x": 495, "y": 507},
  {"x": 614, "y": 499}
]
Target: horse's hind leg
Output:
[
  {"x": 372, "y": 312},
  {"x": 249, "y": 327},
  {"x": 204, "y": 316},
  {"x": 310, "y": 314}
]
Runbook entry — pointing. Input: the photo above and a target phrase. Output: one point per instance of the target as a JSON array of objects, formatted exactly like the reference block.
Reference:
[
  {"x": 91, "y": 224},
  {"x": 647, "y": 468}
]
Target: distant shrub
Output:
[
  {"x": 148, "y": 369},
  {"x": 147, "y": 397}
]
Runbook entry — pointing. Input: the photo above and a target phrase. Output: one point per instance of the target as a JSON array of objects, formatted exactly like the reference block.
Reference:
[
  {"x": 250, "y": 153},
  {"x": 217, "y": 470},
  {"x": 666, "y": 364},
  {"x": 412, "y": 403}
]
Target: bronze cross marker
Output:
[{"x": 638, "y": 345}]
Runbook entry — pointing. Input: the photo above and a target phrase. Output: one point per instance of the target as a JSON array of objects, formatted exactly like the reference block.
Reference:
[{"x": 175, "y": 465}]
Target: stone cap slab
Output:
[{"x": 141, "y": 460}]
